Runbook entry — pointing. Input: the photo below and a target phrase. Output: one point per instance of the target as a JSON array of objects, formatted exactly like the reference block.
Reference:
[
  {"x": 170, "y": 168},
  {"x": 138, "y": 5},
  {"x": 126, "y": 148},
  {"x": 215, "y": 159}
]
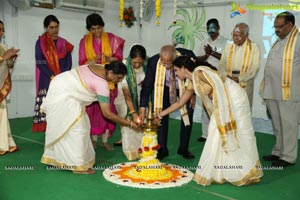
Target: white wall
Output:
[{"x": 24, "y": 27}]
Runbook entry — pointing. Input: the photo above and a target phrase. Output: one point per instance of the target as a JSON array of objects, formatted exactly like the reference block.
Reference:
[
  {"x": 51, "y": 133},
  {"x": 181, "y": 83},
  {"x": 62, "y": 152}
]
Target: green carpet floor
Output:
[{"x": 39, "y": 183}]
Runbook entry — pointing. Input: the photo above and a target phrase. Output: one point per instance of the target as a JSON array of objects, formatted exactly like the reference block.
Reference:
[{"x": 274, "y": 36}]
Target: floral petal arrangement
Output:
[
  {"x": 126, "y": 174},
  {"x": 128, "y": 16}
]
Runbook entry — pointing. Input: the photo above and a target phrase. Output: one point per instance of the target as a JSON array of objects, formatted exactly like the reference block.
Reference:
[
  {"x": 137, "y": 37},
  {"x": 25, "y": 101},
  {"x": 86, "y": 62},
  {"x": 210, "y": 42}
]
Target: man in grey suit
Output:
[{"x": 280, "y": 90}]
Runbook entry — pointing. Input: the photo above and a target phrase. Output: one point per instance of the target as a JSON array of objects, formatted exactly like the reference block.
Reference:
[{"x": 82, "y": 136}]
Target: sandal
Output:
[
  {"x": 13, "y": 149},
  {"x": 118, "y": 144}
]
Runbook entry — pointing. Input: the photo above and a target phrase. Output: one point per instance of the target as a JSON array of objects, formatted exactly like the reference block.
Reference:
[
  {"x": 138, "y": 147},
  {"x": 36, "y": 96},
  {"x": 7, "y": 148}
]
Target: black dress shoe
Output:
[
  {"x": 282, "y": 163},
  {"x": 201, "y": 139},
  {"x": 162, "y": 154},
  {"x": 270, "y": 158},
  {"x": 117, "y": 144},
  {"x": 185, "y": 154}
]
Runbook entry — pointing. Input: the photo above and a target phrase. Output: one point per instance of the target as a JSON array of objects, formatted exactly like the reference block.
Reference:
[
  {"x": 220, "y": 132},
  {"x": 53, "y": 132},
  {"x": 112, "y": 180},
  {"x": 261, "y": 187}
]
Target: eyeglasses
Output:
[
  {"x": 280, "y": 26},
  {"x": 166, "y": 64},
  {"x": 236, "y": 33}
]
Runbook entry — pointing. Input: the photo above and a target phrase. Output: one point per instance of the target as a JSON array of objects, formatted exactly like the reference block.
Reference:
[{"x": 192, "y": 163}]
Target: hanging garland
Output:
[
  {"x": 175, "y": 7},
  {"x": 141, "y": 9},
  {"x": 157, "y": 11},
  {"x": 128, "y": 16},
  {"x": 121, "y": 12}
]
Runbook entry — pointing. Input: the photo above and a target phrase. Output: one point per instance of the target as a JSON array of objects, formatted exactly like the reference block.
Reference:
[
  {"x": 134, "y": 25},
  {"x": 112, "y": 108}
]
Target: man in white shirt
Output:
[
  {"x": 210, "y": 51},
  {"x": 241, "y": 59}
]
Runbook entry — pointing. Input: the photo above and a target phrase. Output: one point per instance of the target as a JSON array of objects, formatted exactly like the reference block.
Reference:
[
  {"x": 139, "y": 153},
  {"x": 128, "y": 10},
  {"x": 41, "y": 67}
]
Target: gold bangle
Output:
[
  {"x": 131, "y": 112},
  {"x": 1, "y": 59}
]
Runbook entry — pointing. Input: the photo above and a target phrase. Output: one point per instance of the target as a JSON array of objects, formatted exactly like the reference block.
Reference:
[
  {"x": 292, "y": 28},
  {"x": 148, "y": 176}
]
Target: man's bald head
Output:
[{"x": 167, "y": 55}]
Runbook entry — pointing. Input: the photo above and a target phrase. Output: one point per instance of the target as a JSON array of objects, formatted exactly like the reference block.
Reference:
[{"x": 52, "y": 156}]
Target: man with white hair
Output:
[
  {"x": 241, "y": 59},
  {"x": 162, "y": 86}
]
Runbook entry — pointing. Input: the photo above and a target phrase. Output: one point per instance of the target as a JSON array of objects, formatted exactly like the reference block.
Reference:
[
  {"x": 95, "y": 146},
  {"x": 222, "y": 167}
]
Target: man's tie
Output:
[{"x": 172, "y": 86}]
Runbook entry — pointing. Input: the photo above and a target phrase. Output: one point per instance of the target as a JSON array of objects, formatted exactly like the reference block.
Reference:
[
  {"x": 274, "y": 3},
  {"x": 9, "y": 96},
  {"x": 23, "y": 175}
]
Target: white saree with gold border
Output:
[
  {"x": 230, "y": 152},
  {"x": 7, "y": 143},
  {"x": 68, "y": 144}
]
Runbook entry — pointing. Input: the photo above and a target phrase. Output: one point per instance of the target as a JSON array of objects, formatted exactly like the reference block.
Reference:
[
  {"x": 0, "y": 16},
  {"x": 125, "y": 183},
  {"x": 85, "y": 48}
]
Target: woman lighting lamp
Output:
[
  {"x": 230, "y": 152},
  {"x": 68, "y": 144},
  {"x": 129, "y": 92}
]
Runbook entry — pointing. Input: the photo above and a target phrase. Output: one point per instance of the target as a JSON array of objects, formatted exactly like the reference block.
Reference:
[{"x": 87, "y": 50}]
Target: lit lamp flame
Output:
[
  {"x": 138, "y": 120},
  {"x": 148, "y": 126}
]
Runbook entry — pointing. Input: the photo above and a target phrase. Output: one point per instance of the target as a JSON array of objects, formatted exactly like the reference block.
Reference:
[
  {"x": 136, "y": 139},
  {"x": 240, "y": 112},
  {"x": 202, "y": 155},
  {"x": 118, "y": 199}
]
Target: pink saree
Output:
[{"x": 98, "y": 123}]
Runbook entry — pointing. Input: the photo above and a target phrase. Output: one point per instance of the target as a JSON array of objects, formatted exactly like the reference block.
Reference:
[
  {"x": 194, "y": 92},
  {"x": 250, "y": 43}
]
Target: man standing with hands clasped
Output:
[
  {"x": 280, "y": 90},
  {"x": 241, "y": 59}
]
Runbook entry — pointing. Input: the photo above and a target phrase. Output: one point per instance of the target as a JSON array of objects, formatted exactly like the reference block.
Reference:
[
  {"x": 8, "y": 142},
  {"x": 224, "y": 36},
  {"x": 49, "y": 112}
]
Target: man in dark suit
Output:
[{"x": 162, "y": 63}]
